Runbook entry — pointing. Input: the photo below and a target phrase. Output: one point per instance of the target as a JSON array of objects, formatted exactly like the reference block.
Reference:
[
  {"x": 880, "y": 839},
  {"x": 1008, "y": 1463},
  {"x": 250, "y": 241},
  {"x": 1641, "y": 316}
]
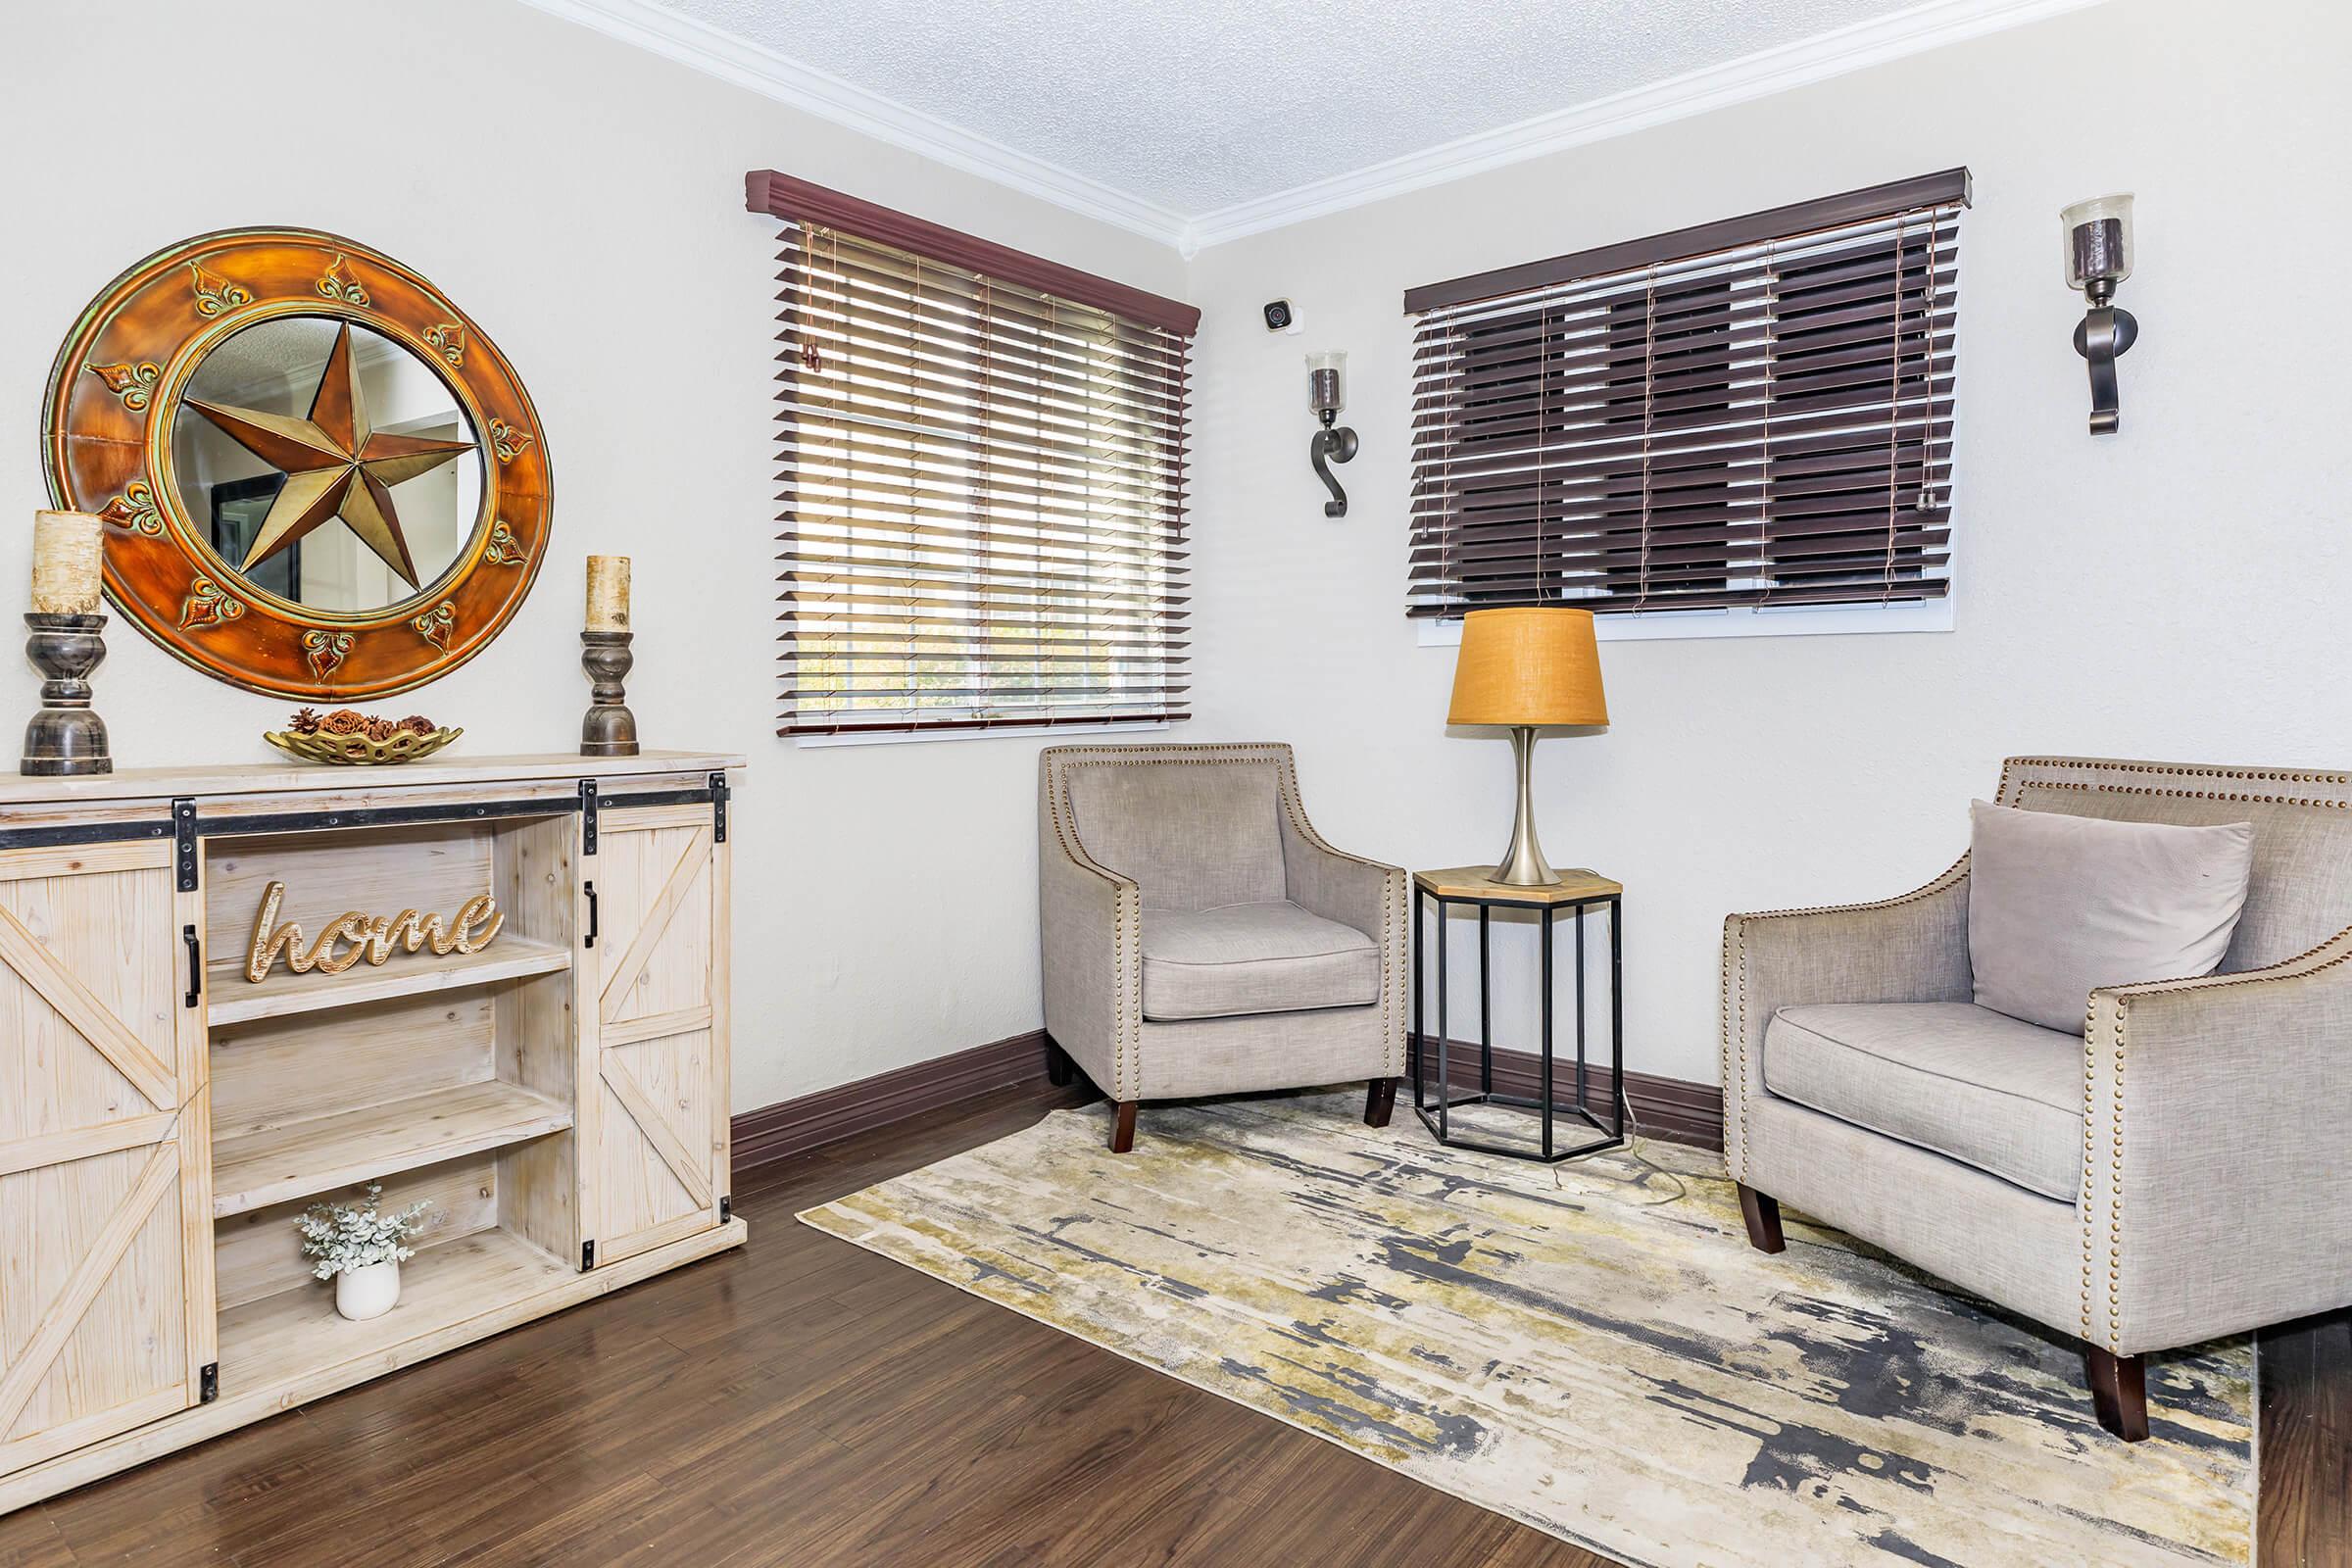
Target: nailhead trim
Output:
[
  {"x": 2284, "y": 969},
  {"x": 2090, "y": 1060},
  {"x": 1059, "y": 759},
  {"x": 2188, "y": 795},
  {"x": 2265, "y": 775},
  {"x": 1391, "y": 909},
  {"x": 1126, "y": 922},
  {"x": 2115, "y": 1197},
  {"x": 2012, "y": 786},
  {"x": 1202, "y": 754},
  {"x": 1743, "y": 1087},
  {"x": 2012, "y": 767},
  {"x": 1131, "y": 922},
  {"x": 1941, "y": 883},
  {"x": 2329, "y": 954},
  {"x": 1733, "y": 938},
  {"x": 1736, "y": 967}
]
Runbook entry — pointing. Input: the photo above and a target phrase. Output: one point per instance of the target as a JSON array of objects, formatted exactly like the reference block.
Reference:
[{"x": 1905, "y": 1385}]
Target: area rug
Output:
[{"x": 1591, "y": 1349}]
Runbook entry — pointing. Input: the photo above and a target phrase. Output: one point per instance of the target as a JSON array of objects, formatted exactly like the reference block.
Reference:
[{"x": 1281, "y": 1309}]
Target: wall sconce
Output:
[
  {"x": 1330, "y": 445},
  {"x": 2098, "y": 257}
]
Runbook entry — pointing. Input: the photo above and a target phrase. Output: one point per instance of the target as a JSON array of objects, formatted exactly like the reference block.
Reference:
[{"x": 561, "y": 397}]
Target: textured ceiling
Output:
[{"x": 1195, "y": 105}]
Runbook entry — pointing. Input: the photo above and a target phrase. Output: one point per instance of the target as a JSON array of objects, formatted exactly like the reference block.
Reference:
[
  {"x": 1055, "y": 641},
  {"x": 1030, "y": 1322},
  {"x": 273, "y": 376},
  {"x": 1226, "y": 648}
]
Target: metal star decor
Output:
[{"x": 335, "y": 464}]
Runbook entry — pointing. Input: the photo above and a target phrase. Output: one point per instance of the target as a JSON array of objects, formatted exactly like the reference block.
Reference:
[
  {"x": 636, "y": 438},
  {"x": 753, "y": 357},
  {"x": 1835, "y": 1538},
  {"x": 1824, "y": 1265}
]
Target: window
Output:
[
  {"x": 983, "y": 481},
  {"x": 1738, "y": 418}
]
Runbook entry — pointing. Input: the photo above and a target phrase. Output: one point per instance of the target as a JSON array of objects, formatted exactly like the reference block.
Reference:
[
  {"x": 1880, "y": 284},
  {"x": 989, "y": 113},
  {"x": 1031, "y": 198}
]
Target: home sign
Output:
[{"x": 370, "y": 936}]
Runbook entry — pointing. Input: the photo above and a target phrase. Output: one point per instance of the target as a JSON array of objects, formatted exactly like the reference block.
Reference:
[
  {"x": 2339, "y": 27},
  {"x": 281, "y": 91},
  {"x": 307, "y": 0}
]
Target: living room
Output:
[{"x": 1099, "y": 1052}]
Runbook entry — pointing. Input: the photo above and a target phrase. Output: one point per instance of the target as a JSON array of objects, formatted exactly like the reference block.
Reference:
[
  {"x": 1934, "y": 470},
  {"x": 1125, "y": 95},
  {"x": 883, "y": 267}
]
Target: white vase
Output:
[{"x": 368, "y": 1291}]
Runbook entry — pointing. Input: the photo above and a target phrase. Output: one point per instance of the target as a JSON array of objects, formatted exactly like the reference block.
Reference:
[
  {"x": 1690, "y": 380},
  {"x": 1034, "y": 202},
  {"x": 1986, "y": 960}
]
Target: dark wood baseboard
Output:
[
  {"x": 792, "y": 1127},
  {"x": 1673, "y": 1108}
]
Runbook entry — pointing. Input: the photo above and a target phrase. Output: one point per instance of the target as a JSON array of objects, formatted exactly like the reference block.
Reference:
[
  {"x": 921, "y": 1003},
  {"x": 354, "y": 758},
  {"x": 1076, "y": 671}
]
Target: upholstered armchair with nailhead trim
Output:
[
  {"x": 2180, "y": 1171},
  {"x": 1202, "y": 939}
]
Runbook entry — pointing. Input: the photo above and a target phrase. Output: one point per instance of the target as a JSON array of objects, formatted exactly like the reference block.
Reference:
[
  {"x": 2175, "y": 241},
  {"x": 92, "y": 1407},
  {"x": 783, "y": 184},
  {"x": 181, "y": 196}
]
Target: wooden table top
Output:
[
  {"x": 1477, "y": 882},
  {"x": 287, "y": 775}
]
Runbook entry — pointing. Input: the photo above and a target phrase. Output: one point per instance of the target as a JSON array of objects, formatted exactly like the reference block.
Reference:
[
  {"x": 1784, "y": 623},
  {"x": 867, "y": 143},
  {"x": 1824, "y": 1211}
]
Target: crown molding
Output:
[
  {"x": 702, "y": 48},
  {"x": 645, "y": 24},
  {"x": 1809, "y": 60}
]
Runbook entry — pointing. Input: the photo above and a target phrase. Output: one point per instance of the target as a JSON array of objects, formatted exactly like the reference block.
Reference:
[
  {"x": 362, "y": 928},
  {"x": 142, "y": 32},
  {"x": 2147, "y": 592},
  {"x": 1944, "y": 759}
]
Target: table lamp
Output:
[{"x": 1524, "y": 668}]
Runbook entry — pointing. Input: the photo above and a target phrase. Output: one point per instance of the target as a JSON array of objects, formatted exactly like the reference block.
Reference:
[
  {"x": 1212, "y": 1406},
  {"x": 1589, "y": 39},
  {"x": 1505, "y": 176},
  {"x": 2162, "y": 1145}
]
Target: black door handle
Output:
[
  {"x": 590, "y": 940},
  {"x": 187, "y": 934}
]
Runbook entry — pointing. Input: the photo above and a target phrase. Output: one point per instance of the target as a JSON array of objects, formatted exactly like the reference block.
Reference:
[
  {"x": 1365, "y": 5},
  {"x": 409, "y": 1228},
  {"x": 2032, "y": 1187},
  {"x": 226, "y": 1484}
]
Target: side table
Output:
[{"x": 1476, "y": 887}]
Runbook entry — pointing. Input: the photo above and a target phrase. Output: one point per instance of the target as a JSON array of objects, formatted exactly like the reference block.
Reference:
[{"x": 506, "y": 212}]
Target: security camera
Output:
[{"x": 1280, "y": 317}]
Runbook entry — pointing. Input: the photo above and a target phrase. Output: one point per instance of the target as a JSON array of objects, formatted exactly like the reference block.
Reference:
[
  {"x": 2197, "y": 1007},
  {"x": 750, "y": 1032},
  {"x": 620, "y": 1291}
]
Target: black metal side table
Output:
[{"x": 1475, "y": 886}]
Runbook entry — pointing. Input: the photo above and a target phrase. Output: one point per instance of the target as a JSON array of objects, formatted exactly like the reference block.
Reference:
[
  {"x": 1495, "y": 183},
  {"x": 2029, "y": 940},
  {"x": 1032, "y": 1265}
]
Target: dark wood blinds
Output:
[
  {"x": 1755, "y": 413},
  {"x": 983, "y": 485}
]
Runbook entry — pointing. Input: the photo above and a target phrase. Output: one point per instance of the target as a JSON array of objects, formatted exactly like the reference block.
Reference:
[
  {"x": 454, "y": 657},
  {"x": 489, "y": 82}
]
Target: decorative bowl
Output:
[{"x": 358, "y": 751}]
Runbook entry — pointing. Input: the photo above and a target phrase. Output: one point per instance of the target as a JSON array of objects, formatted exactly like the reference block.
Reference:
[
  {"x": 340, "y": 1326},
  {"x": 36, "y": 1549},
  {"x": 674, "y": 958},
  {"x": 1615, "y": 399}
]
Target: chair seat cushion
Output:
[
  {"x": 1972, "y": 1085},
  {"x": 1253, "y": 957}
]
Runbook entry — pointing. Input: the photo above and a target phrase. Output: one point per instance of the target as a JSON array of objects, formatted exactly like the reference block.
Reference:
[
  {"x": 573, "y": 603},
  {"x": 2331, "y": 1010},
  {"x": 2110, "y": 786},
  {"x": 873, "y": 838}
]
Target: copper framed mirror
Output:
[{"x": 320, "y": 478}]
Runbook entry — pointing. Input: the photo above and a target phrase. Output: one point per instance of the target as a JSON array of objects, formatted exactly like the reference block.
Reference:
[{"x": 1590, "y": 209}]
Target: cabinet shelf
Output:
[
  {"x": 296, "y": 1332},
  {"x": 235, "y": 999},
  {"x": 319, "y": 1155},
  {"x": 485, "y": 1085}
]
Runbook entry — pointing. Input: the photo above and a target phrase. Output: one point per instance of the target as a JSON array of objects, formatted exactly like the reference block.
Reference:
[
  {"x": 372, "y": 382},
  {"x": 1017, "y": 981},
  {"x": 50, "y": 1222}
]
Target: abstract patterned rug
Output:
[{"x": 1593, "y": 1349}]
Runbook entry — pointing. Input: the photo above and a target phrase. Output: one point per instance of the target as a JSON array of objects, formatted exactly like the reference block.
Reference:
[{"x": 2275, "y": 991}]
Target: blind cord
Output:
[{"x": 1895, "y": 411}]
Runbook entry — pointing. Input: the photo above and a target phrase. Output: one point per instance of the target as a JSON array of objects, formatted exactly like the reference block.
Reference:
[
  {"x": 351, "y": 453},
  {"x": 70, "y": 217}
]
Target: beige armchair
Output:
[
  {"x": 2180, "y": 1170},
  {"x": 1200, "y": 938}
]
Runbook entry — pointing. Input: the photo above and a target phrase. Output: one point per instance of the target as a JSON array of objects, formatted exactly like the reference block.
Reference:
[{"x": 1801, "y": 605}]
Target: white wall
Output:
[
  {"x": 584, "y": 201},
  {"x": 2176, "y": 591},
  {"x": 2172, "y": 591}
]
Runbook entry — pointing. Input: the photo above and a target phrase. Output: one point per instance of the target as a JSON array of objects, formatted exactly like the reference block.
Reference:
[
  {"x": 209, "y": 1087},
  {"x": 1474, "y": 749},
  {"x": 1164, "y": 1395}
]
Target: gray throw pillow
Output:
[{"x": 2058, "y": 904}]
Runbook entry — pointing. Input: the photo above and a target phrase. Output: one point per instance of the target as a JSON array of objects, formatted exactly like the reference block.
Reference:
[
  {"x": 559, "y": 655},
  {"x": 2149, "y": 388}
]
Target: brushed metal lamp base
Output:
[{"x": 1523, "y": 864}]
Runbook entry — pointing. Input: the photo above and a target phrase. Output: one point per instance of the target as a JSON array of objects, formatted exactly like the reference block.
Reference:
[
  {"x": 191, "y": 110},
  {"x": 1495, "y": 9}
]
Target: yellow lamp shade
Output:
[{"x": 1535, "y": 666}]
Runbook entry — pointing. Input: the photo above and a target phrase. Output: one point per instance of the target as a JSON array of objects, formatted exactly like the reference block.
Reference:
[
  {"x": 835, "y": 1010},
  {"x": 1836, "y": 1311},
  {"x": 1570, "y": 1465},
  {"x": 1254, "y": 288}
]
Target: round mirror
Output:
[
  {"x": 327, "y": 464},
  {"x": 318, "y": 477}
]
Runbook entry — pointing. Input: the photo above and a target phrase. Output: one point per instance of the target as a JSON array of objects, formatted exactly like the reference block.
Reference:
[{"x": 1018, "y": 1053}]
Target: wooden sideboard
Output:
[{"x": 559, "y": 1094}]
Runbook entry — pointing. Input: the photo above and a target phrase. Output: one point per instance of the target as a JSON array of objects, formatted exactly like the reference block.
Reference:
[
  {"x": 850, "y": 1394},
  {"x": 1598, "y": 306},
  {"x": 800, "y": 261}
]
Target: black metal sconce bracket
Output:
[
  {"x": 2104, "y": 333},
  {"x": 1331, "y": 446}
]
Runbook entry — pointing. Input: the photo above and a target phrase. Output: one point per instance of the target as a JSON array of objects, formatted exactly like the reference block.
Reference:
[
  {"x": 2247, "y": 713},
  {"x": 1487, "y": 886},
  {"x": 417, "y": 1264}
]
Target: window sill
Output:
[
  {"x": 1028, "y": 732},
  {"x": 1840, "y": 621}
]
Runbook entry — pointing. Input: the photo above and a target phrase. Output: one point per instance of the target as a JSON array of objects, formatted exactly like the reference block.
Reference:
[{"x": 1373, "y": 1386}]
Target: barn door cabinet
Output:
[{"x": 559, "y": 1094}]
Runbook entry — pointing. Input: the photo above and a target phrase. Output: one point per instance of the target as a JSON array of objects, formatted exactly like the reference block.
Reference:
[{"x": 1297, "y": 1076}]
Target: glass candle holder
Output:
[
  {"x": 1324, "y": 373},
  {"x": 2098, "y": 236}
]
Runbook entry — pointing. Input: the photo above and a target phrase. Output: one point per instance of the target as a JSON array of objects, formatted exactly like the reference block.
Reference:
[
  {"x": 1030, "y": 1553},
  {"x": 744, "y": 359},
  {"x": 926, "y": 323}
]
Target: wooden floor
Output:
[{"x": 806, "y": 1402}]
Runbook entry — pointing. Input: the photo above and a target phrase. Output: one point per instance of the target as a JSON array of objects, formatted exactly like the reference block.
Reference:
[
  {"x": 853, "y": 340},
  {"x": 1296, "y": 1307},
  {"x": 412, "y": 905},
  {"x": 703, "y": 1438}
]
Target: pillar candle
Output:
[
  {"x": 69, "y": 549},
  {"x": 608, "y": 593}
]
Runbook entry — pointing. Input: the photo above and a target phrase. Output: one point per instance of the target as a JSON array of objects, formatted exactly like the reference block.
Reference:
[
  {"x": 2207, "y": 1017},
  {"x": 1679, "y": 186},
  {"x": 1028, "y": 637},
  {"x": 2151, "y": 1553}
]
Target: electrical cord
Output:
[{"x": 1633, "y": 1146}]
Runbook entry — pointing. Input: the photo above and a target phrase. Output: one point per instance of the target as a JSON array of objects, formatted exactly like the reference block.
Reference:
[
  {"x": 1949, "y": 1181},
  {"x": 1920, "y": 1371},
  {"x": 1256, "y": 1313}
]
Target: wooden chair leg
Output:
[
  {"x": 2118, "y": 1391},
  {"x": 1763, "y": 1215},
  {"x": 1379, "y": 1101},
  {"x": 1058, "y": 1067},
  {"x": 1122, "y": 1128}
]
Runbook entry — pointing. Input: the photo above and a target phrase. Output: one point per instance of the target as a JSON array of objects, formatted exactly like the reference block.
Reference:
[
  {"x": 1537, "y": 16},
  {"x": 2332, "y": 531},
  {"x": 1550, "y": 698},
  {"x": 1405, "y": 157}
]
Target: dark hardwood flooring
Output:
[{"x": 804, "y": 1402}]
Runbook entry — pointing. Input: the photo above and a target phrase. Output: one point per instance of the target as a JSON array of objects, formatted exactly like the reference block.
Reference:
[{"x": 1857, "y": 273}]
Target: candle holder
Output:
[
  {"x": 64, "y": 736},
  {"x": 610, "y": 729},
  {"x": 2098, "y": 258},
  {"x": 1335, "y": 442}
]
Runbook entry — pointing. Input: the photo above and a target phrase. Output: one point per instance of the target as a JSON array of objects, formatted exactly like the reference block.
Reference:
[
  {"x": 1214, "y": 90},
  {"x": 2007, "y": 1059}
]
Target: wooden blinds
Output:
[
  {"x": 1748, "y": 414},
  {"x": 983, "y": 487}
]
